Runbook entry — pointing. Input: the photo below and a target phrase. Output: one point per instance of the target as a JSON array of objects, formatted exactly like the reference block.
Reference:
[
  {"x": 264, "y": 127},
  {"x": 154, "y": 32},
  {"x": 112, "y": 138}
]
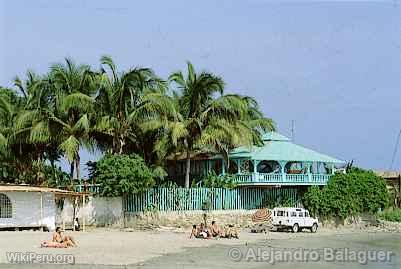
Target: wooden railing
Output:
[{"x": 284, "y": 179}]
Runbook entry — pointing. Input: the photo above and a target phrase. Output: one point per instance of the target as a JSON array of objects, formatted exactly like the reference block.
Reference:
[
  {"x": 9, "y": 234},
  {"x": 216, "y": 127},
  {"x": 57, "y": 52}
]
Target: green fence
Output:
[{"x": 180, "y": 199}]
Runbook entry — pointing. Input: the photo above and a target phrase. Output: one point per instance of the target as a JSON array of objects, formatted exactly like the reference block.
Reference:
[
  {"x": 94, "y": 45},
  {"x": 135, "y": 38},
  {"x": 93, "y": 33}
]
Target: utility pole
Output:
[
  {"x": 292, "y": 130},
  {"x": 397, "y": 142}
]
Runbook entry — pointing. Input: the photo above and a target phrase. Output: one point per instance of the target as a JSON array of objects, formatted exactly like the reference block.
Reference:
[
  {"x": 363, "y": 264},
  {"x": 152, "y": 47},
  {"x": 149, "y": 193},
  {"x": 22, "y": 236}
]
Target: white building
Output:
[{"x": 29, "y": 207}]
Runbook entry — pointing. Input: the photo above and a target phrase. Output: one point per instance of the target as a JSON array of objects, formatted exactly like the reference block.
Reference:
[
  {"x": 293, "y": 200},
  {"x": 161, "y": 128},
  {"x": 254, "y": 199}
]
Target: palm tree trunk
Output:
[
  {"x": 121, "y": 143},
  {"x": 72, "y": 164},
  {"x": 187, "y": 168},
  {"x": 77, "y": 163}
]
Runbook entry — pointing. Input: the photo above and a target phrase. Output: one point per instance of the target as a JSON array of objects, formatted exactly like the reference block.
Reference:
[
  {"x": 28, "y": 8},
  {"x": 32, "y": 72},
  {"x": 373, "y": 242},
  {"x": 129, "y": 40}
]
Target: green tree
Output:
[
  {"x": 212, "y": 180},
  {"x": 346, "y": 195},
  {"x": 122, "y": 174},
  {"x": 120, "y": 103},
  {"x": 312, "y": 200},
  {"x": 75, "y": 87},
  {"x": 207, "y": 122}
]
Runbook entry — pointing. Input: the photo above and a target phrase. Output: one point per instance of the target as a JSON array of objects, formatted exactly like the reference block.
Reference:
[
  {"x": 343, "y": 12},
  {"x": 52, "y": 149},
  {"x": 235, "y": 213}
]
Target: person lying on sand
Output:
[{"x": 51, "y": 244}]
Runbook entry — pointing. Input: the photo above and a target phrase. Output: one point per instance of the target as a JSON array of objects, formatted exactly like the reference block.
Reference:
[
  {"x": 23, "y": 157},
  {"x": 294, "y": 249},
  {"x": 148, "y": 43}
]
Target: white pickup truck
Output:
[{"x": 295, "y": 219}]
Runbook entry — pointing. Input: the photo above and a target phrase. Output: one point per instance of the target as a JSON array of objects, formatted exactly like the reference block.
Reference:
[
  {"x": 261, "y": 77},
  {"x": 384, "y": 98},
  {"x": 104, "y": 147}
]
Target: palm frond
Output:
[{"x": 70, "y": 148}]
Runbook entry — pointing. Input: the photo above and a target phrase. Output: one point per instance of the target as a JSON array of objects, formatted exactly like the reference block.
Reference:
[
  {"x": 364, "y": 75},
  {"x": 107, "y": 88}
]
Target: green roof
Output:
[
  {"x": 273, "y": 136},
  {"x": 279, "y": 148}
]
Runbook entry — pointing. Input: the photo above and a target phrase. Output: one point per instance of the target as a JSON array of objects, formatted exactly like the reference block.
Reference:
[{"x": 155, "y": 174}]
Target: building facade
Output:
[{"x": 278, "y": 162}]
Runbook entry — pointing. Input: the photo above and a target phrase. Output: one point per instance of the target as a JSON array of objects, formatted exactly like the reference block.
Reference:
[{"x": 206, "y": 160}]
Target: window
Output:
[
  {"x": 301, "y": 214},
  {"x": 307, "y": 214},
  {"x": 280, "y": 213},
  {"x": 293, "y": 214},
  {"x": 6, "y": 210}
]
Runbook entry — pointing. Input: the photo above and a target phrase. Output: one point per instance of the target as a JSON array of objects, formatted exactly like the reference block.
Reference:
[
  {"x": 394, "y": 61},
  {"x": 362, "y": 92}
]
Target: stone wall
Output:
[{"x": 240, "y": 218}]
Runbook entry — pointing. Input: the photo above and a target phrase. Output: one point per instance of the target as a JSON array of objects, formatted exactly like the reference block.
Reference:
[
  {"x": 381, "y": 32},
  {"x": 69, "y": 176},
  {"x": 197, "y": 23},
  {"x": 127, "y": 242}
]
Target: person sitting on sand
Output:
[
  {"x": 59, "y": 238},
  {"x": 194, "y": 232},
  {"x": 215, "y": 230},
  {"x": 230, "y": 232},
  {"x": 204, "y": 232}
]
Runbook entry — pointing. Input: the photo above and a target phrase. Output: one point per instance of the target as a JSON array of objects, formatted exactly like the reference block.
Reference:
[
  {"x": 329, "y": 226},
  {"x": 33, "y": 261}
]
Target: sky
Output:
[{"x": 331, "y": 67}]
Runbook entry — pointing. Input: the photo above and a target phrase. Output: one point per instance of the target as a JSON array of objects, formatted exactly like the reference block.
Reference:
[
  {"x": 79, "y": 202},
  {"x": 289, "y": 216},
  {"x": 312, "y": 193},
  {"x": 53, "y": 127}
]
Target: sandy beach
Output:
[{"x": 165, "y": 248}]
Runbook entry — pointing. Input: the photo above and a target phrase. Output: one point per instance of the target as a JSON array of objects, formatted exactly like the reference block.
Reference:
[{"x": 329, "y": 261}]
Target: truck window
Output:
[
  {"x": 307, "y": 214},
  {"x": 280, "y": 213},
  {"x": 301, "y": 214},
  {"x": 293, "y": 214}
]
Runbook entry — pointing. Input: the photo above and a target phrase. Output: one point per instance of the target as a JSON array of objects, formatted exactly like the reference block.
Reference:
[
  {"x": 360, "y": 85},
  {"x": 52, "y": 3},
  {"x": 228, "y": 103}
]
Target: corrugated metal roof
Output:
[
  {"x": 388, "y": 174},
  {"x": 27, "y": 188},
  {"x": 280, "y": 148}
]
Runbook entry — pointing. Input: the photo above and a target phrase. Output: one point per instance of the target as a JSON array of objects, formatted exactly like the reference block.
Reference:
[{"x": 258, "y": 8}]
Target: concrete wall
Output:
[
  {"x": 98, "y": 211},
  {"x": 26, "y": 210},
  {"x": 240, "y": 218}
]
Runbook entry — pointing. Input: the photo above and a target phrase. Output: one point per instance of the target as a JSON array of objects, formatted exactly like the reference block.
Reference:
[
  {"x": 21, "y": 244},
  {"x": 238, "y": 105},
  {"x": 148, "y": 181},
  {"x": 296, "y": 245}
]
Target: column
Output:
[
  {"x": 255, "y": 170},
  {"x": 83, "y": 213},
  {"x": 308, "y": 170},
  {"x": 223, "y": 167},
  {"x": 282, "y": 166}
]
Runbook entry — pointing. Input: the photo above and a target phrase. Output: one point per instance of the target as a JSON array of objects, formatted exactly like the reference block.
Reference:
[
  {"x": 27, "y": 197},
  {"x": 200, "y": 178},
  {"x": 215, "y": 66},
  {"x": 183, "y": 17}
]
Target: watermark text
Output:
[
  {"x": 276, "y": 255},
  {"x": 39, "y": 258}
]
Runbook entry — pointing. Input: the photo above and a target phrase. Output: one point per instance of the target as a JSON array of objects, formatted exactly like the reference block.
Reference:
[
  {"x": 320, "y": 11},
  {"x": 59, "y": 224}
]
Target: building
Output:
[
  {"x": 393, "y": 182},
  {"x": 278, "y": 162},
  {"x": 29, "y": 207}
]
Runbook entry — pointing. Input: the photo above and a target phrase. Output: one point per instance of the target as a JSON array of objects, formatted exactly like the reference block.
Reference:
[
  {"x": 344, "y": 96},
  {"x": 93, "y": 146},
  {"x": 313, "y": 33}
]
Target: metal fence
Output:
[{"x": 183, "y": 199}]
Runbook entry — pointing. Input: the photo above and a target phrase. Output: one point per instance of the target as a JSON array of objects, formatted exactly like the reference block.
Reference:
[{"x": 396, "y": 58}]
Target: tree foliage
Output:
[
  {"x": 346, "y": 195},
  {"x": 212, "y": 180},
  {"x": 122, "y": 174},
  {"x": 74, "y": 106},
  {"x": 208, "y": 119}
]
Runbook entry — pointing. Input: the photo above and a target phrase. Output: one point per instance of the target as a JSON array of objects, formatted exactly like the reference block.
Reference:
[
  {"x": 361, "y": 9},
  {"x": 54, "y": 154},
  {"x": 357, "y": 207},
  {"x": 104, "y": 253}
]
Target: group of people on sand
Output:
[
  {"x": 59, "y": 240},
  {"x": 213, "y": 231}
]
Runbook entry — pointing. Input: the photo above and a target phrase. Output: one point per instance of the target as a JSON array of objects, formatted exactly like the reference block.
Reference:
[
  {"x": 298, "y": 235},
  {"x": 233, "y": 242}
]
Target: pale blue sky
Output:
[{"x": 332, "y": 67}]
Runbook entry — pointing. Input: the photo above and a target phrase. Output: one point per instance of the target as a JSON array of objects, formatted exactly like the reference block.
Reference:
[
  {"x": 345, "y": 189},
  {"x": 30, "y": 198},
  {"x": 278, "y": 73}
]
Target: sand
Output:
[{"x": 135, "y": 248}]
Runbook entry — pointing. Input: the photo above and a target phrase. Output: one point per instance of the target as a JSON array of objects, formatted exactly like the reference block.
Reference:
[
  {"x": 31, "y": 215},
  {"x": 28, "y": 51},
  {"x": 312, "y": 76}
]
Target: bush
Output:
[
  {"x": 345, "y": 195},
  {"x": 122, "y": 174},
  {"x": 212, "y": 180},
  {"x": 391, "y": 215},
  {"x": 313, "y": 200}
]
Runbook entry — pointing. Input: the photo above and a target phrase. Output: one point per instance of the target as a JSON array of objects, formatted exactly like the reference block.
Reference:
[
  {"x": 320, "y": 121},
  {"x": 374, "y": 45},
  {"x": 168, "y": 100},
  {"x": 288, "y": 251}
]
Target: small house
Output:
[{"x": 24, "y": 206}]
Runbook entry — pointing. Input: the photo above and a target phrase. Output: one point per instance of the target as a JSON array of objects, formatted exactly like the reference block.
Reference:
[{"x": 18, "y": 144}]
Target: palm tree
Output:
[
  {"x": 9, "y": 109},
  {"x": 123, "y": 103},
  {"x": 32, "y": 123},
  {"x": 74, "y": 89},
  {"x": 210, "y": 123}
]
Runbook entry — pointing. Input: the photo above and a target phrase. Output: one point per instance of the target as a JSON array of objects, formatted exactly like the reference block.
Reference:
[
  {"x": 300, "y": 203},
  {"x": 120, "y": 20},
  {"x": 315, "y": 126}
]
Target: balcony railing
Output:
[{"x": 281, "y": 179}]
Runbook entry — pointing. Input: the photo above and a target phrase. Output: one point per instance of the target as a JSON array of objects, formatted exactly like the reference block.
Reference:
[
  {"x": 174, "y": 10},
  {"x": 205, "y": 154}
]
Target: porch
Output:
[{"x": 281, "y": 179}]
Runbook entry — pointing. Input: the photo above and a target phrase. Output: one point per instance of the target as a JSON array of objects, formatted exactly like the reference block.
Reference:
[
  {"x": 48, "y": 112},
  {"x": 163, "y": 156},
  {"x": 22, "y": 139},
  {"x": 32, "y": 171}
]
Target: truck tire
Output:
[
  {"x": 295, "y": 228},
  {"x": 313, "y": 229}
]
